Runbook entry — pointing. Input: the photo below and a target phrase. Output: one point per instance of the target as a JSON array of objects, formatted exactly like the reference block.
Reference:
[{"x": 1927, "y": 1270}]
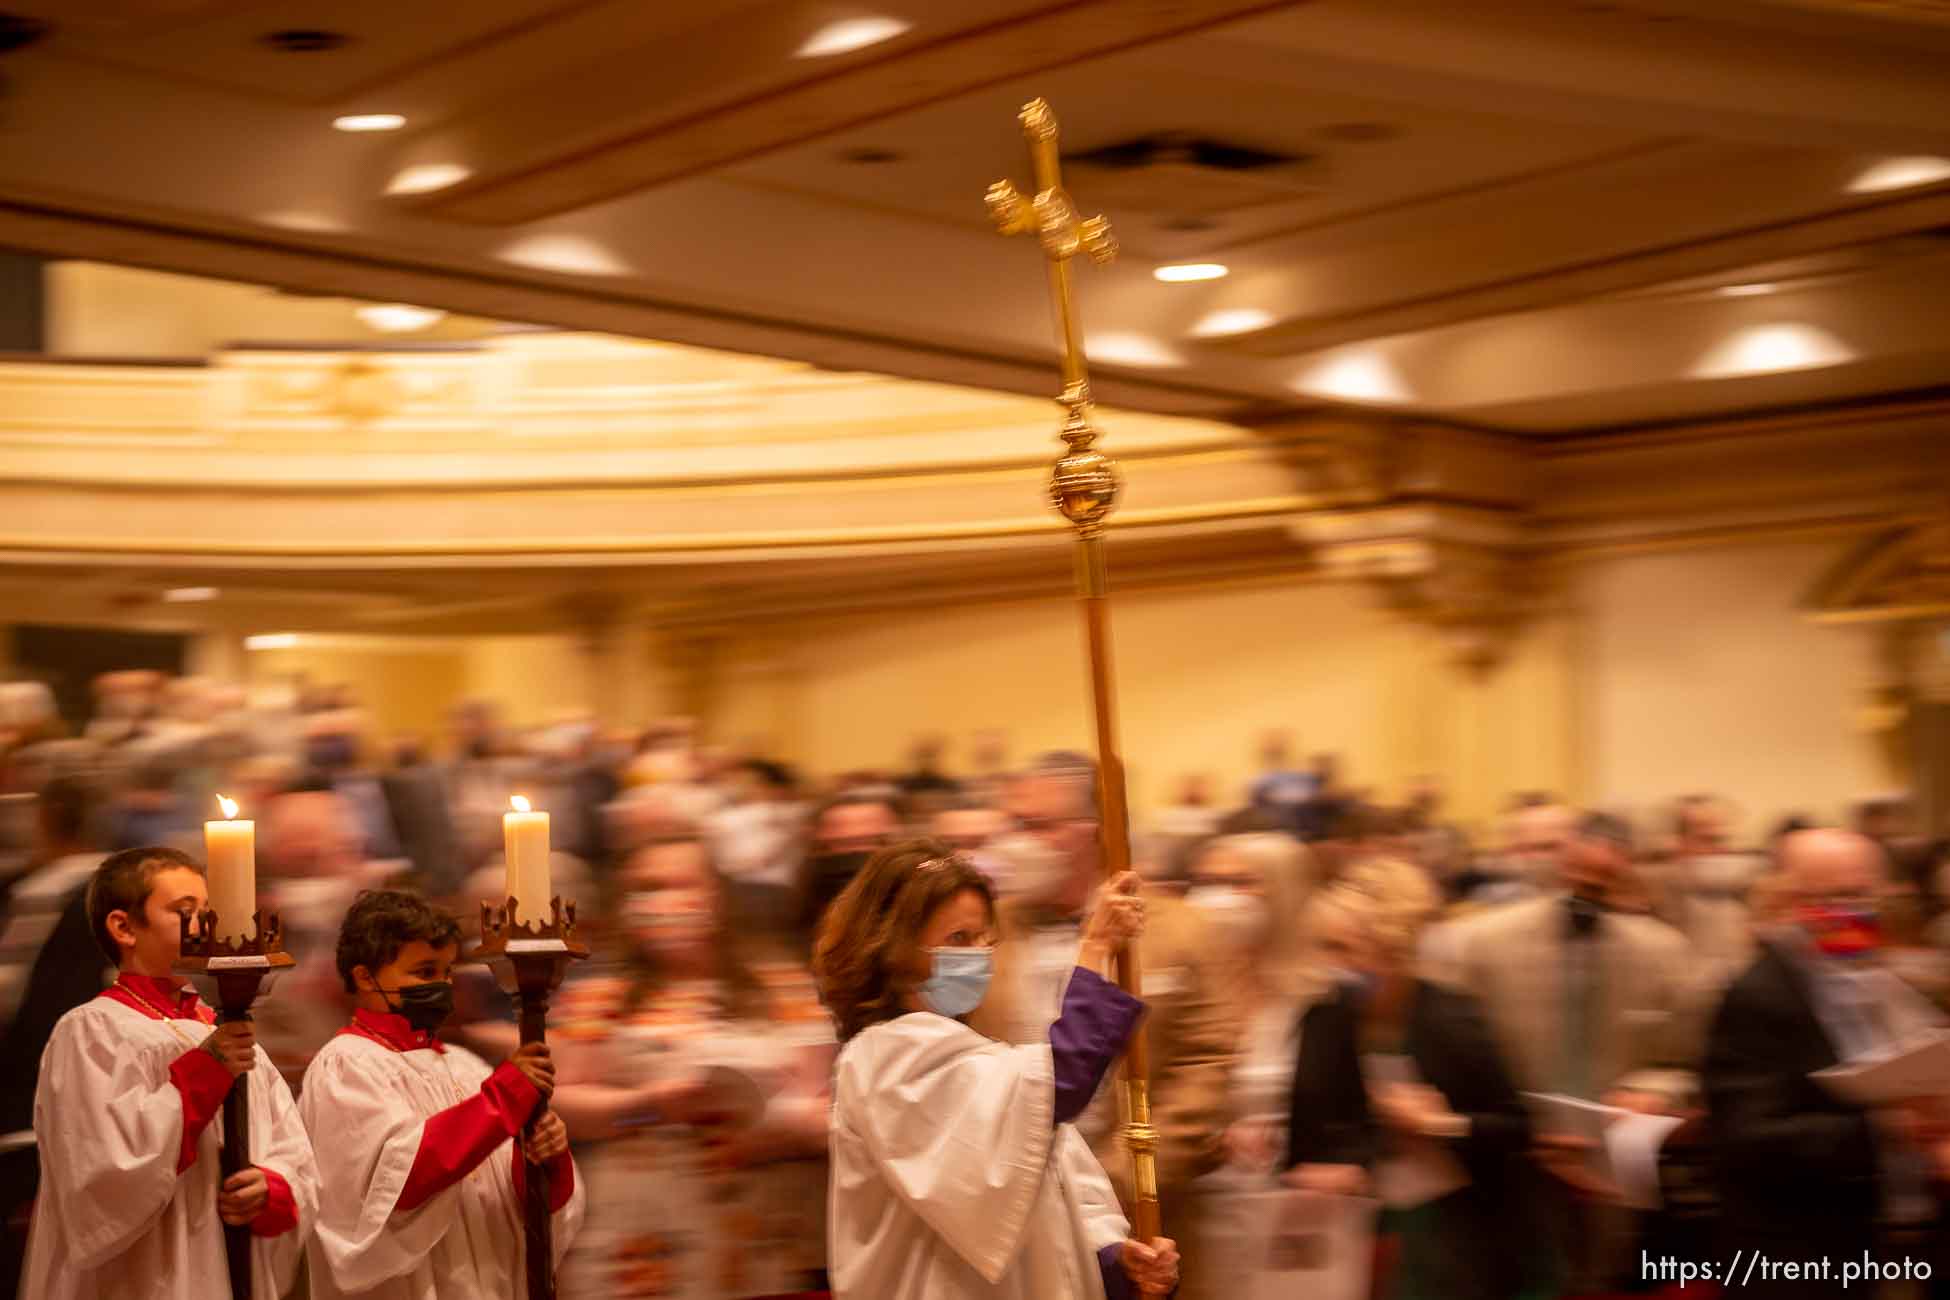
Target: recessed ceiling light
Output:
[
  {"x": 1769, "y": 349},
  {"x": 369, "y": 122},
  {"x": 1186, "y": 272},
  {"x": 271, "y": 641},
  {"x": 398, "y": 317},
  {"x": 1233, "y": 320},
  {"x": 1125, "y": 349},
  {"x": 190, "y": 595},
  {"x": 850, "y": 34},
  {"x": 571, "y": 254},
  {"x": 1900, "y": 174},
  {"x": 424, "y": 178},
  {"x": 1746, "y": 290},
  {"x": 1355, "y": 375}
]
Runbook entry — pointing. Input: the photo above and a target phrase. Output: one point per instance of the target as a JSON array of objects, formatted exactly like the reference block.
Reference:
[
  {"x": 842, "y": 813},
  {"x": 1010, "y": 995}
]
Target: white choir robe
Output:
[
  {"x": 949, "y": 1179},
  {"x": 368, "y": 1105},
  {"x": 114, "y": 1220}
]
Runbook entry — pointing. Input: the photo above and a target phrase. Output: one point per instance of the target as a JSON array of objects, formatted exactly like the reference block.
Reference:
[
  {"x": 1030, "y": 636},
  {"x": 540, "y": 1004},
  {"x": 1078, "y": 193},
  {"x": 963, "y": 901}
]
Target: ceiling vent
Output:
[{"x": 1185, "y": 175}]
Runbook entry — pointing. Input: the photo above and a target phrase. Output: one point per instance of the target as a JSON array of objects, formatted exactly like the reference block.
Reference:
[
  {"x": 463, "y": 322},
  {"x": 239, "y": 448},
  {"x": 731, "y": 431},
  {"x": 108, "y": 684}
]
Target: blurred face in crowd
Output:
[
  {"x": 1337, "y": 939},
  {"x": 1591, "y": 866},
  {"x": 312, "y": 834},
  {"x": 1538, "y": 839},
  {"x": 1836, "y": 878},
  {"x": 670, "y": 906},
  {"x": 1702, "y": 829},
  {"x": 1274, "y": 750},
  {"x": 1196, "y": 792},
  {"x": 855, "y": 828},
  {"x": 1054, "y": 807},
  {"x": 968, "y": 829}
]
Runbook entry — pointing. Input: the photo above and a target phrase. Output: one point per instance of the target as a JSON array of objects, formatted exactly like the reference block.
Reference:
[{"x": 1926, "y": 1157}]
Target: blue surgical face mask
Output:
[{"x": 960, "y": 980}]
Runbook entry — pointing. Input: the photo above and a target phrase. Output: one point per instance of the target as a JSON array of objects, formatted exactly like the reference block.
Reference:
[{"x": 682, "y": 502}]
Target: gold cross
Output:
[{"x": 1084, "y": 485}]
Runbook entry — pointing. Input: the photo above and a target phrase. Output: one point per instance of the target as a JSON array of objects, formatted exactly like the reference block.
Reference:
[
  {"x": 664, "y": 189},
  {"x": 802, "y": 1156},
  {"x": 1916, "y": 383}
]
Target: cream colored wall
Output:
[
  {"x": 1201, "y": 675},
  {"x": 405, "y": 686},
  {"x": 1701, "y": 674},
  {"x": 1665, "y": 673}
]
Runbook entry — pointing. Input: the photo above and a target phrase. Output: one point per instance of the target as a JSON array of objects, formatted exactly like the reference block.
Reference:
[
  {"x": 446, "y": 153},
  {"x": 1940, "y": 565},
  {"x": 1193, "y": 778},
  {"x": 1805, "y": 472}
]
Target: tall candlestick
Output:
[
  {"x": 524, "y": 836},
  {"x": 231, "y": 848}
]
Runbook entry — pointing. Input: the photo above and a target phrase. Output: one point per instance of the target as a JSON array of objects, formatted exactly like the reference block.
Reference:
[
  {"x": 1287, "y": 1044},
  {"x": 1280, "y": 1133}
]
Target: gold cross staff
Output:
[{"x": 1084, "y": 487}]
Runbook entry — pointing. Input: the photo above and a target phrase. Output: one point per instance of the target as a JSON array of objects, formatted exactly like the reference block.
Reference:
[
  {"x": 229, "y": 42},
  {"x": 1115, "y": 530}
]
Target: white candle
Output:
[
  {"x": 524, "y": 836},
  {"x": 231, "y": 848}
]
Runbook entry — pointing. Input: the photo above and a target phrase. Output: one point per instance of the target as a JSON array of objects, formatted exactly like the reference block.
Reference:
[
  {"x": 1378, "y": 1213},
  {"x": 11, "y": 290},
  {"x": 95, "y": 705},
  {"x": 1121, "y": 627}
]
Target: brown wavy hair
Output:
[{"x": 871, "y": 931}]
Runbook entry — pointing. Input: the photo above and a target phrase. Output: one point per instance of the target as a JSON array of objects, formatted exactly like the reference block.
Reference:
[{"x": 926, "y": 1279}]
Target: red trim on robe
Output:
[
  {"x": 200, "y": 1078},
  {"x": 561, "y": 1180},
  {"x": 280, "y": 1212},
  {"x": 146, "y": 993},
  {"x": 390, "y": 1030},
  {"x": 454, "y": 1142}
]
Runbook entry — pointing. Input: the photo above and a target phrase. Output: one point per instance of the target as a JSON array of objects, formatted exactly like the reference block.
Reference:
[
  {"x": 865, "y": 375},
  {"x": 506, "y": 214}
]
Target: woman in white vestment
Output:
[{"x": 957, "y": 1169}]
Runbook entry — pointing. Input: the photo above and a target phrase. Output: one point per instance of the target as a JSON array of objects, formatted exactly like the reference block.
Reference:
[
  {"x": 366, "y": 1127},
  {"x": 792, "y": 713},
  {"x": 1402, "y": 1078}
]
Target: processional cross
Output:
[{"x": 1083, "y": 487}]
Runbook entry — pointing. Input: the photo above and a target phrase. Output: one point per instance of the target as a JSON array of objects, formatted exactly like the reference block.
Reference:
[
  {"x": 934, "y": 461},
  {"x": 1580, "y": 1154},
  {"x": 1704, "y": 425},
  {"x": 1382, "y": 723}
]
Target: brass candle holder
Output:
[
  {"x": 529, "y": 960},
  {"x": 238, "y": 968}
]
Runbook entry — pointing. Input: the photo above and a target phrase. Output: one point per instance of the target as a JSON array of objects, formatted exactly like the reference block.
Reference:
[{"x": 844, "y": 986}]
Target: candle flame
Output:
[
  {"x": 229, "y": 807},
  {"x": 521, "y": 803}
]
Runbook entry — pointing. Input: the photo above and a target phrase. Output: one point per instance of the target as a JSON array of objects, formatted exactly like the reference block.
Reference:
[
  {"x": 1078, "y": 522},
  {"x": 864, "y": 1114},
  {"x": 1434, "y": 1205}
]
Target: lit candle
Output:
[
  {"x": 231, "y": 847},
  {"x": 524, "y": 837}
]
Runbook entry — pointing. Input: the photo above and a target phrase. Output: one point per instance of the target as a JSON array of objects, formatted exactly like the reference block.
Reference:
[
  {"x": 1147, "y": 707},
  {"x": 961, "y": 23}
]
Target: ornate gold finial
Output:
[{"x": 1084, "y": 483}]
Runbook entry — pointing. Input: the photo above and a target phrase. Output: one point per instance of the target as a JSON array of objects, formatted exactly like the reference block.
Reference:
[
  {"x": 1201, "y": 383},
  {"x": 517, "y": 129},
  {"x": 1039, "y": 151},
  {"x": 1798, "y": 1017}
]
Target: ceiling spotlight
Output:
[
  {"x": 1900, "y": 174},
  {"x": 1187, "y": 272},
  {"x": 1124, "y": 349},
  {"x": 1746, "y": 290},
  {"x": 271, "y": 641},
  {"x": 424, "y": 178},
  {"x": 1233, "y": 320},
  {"x": 850, "y": 34},
  {"x": 1354, "y": 376},
  {"x": 1769, "y": 349},
  {"x": 189, "y": 595},
  {"x": 369, "y": 122},
  {"x": 569, "y": 254},
  {"x": 398, "y": 317}
]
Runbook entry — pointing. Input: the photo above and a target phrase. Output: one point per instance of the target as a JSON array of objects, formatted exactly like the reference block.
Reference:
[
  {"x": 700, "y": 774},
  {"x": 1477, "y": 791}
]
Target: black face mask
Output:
[{"x": 424, "y": 1006}]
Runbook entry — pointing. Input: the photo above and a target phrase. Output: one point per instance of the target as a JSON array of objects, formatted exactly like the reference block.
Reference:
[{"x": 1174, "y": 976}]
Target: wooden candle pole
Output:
[
  {"x": 529, "y": 960},
  {"x": 1084, "y": 486},
  {"x": 238, "y": 964}
]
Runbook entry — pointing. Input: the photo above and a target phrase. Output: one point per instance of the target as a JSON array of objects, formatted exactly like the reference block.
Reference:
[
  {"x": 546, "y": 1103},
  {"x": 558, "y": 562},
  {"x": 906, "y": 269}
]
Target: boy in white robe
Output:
[
  {"x": 422, "y": 1188},
  {"x": 958, "y": 1173},
  {"x": 132, "y": 1203}
]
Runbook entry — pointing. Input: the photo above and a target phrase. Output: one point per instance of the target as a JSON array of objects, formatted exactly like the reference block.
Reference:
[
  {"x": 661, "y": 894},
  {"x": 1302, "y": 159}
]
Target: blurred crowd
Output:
[{"x": 1351, "y": 996}]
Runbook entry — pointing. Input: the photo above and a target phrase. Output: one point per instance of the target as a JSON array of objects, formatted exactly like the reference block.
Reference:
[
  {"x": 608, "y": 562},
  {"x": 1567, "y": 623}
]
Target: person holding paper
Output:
[
  {"x": 422, "y": 1186},
  {"x": 1580, "y": 997},
  {"x": 1399, "y": 1093},
  {"x": 132, "y": 1202},
  {"x": 1805, "y": 1173},
  {"x": 958, "y": 1173}
]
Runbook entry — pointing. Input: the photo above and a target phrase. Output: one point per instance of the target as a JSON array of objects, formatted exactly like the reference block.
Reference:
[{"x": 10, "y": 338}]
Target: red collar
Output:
[
  {"x": 153, "y": 997},
  {"x": 390, "y": 1030}
]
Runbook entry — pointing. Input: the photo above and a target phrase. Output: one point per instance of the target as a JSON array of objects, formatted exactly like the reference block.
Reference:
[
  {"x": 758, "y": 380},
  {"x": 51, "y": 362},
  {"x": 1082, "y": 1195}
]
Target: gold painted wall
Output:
[
  {"x": 1202, "y": 674},
  {"x": 1700, "y": 673},
  {"x": 406, "y": 686}
]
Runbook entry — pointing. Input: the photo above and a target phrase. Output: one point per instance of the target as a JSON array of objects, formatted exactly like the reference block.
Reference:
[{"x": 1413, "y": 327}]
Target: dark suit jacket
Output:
[
  {"x": 1482, "y": 1241},
  {"x": 1797, "y": 1168}
]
